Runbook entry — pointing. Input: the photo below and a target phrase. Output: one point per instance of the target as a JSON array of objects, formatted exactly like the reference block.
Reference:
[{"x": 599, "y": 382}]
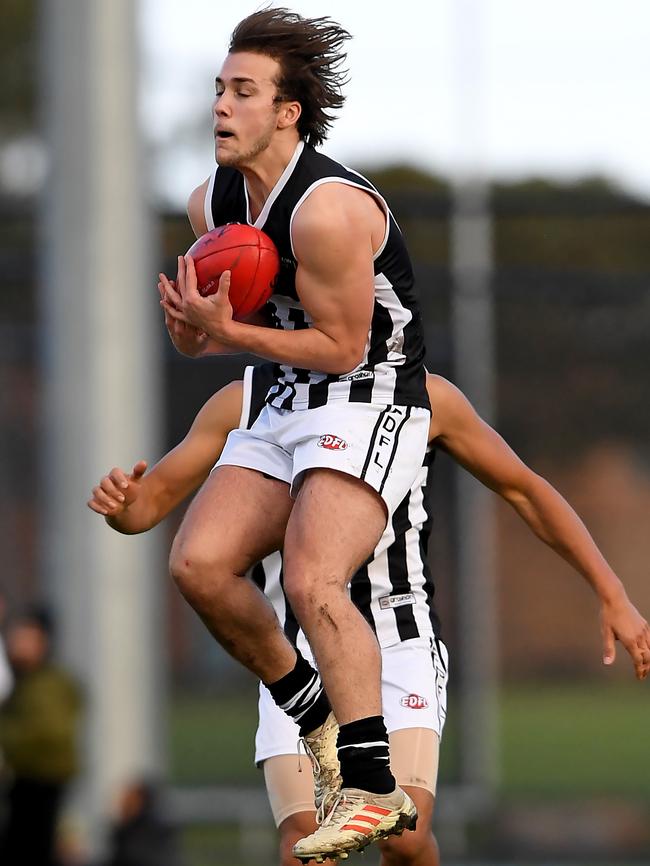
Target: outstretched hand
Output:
[
  {"x": 620, "y": 620},
  {"x": 183, "y": 303},
  {"x": 117, "y": 490}
]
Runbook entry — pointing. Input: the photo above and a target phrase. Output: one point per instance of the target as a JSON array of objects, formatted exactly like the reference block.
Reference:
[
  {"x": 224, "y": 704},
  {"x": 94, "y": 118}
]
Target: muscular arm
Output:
[
  {"x": 196, "y": 209},
  {"x": 151, "y": 497},
  {"x": 457, "y": 429},
  {"x": 334, "y": 233}
]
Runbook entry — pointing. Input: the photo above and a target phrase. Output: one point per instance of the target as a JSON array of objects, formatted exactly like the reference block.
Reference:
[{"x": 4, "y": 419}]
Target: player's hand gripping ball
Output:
[{"x": 250, "y": 256}]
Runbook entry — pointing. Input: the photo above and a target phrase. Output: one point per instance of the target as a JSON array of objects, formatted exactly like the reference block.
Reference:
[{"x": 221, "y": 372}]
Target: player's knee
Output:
[
  {"x": 194, "y": 573},
  {"x": 308, "y": 589},
  {"x": 409, "y": 847},
  {"x": 301, "y": 593}
]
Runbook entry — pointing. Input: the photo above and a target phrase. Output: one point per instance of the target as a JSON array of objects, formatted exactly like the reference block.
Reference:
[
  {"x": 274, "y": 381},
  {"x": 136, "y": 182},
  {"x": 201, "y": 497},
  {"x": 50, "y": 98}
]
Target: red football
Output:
[{"x": 250, "y": 256}]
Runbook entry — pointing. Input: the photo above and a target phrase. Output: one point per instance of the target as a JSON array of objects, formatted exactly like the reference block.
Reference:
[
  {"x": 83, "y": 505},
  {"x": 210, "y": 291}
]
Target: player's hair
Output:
[{"x": 310, "y": 57}]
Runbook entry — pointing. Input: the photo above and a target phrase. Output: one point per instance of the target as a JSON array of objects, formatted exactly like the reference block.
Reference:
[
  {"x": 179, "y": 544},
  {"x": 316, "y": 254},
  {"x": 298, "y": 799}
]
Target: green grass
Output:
[
  {"x": 556, "y": 741},
  {"x": 576, "y": 741},
  {"x": 212, "y": 739},
  {"x": 209, "y": 845}
]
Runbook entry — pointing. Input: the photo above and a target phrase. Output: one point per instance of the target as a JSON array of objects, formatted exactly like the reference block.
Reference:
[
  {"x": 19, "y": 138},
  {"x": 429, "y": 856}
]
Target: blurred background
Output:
[{"x": 511, "y": 143}]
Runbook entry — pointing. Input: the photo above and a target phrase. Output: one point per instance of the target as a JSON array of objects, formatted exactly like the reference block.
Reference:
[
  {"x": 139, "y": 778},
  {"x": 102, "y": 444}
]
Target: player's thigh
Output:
[
  {"x": 239, "y": 516},
  {"x": 290, "y": 788},
  {"x": 335, "y": 524}
]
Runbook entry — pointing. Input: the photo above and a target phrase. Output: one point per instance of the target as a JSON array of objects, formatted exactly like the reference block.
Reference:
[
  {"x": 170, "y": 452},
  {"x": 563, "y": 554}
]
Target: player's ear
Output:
[{"x": 289, "y": 114}]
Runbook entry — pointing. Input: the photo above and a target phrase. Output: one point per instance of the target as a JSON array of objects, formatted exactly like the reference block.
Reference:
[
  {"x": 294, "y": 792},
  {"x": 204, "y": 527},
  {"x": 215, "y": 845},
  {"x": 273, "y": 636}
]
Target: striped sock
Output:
[
  {"x": 364, "y": 757},
  {"x": 301, "y": 695}
]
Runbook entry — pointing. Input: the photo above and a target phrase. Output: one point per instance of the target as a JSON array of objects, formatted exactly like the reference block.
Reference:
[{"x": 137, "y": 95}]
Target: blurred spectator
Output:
[
  {"x": 6, "y": 682},
  {"x": 6, "y": 679},
  {"x": 142, "y": 835},
  {"x": 38, "y": 733}
]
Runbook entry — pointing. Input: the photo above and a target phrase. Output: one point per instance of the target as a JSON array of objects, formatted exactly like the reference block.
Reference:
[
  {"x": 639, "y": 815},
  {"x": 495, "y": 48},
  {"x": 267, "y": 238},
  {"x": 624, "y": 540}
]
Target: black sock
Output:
[
  {"x": 363, "y": 753},
  {"x": 301, "y": 695}
]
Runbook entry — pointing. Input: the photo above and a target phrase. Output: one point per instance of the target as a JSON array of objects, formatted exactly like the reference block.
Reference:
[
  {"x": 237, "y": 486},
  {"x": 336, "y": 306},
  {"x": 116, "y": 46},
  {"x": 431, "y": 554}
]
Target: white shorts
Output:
[
  {"x": 382, "y": 445},
  {"x": 413, "y": 689}
]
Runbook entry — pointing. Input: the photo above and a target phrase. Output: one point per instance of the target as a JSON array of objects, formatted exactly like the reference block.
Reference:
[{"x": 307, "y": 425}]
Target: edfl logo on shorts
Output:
[
  {"x": 331, "y": 442},
  {"x": 414, "y": 702}
]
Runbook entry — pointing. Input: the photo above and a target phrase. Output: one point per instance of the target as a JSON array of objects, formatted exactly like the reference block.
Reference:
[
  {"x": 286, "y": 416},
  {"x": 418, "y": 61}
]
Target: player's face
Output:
[{"x": 244, "y": 113}]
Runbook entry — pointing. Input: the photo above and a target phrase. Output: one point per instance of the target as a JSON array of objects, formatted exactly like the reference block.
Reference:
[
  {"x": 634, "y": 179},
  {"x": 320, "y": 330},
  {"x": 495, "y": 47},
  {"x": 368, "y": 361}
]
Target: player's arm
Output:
[
  {"x": 196, "y": 209},
  {"x": 459, "y": 430},
  {"x": 136, "y": 502},
  {"x": 332, "y": 236}
]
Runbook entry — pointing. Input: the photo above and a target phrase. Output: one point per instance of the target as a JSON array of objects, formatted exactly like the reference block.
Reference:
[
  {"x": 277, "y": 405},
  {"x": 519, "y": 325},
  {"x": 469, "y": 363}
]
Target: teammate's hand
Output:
[
  {"x": 117, "y": 490},
  {"x": 620, "y": 620}
]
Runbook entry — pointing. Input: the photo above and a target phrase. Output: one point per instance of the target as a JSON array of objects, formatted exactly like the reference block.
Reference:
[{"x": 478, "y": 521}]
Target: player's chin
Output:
[{"x": 225, "y": 156}]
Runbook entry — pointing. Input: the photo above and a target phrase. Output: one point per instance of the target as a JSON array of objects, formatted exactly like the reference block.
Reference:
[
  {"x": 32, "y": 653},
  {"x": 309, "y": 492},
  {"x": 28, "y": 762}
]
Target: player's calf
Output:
[
  {"x": 419, "y": 847},
  {"x": 292, "y": 829}
]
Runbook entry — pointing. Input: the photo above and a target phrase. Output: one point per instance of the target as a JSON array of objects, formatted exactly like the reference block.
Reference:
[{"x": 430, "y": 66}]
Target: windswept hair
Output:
[{"x": 310, "y": 57}]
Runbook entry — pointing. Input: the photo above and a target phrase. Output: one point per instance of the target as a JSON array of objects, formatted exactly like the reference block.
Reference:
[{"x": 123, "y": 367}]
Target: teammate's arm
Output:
[
  {"x": 136, "y": 502},
  {"x": 333, "y": 243},
  {"x": 459, "y": 430}
]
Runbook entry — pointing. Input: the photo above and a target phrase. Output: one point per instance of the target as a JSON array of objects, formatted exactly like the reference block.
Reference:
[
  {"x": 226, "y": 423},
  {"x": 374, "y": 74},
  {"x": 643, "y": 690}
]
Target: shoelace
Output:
[
  {"x": 321, "y": 811},
  {"x": 339, "y": 803},
  {"x": 302, "y": 743}
]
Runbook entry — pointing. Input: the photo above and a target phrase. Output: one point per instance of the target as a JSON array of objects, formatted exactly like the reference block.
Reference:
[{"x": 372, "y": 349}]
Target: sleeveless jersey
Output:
[
  {"x": 395, "y": 590},
  {"x": 391, "y": 371}
]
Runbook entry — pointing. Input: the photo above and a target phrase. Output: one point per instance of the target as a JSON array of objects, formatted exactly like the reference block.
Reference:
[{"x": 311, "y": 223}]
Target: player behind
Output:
[
  {"x": 344, "y": 428},
  {"x": 394, "y": 592}
]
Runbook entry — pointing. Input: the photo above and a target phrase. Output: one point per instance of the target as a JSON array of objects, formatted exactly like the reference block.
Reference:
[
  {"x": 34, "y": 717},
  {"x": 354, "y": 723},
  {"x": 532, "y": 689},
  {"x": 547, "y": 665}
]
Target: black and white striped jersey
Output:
[
  {"x": 392, "y": 370},
  {"x": 395, "y": 590}
]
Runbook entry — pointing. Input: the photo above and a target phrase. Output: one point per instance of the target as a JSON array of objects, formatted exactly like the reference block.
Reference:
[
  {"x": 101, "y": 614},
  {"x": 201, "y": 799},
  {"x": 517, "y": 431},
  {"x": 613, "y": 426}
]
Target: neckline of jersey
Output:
[{"x": 275, "y": 192}]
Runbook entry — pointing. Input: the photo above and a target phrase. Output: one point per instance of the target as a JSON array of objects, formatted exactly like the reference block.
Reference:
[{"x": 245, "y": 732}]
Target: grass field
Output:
[
  {"x": 570, "y": 741},
  {"x": 577, "y": 742}
]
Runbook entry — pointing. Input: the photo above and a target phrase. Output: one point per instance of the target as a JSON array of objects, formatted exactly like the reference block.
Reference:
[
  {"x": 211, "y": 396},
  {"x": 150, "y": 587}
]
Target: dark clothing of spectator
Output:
[
  {"x": 142, "y": 836},
  {"x": 30, "y": 835},
  {"x": 38, "y": 741},
  {"x": 144, "y": 842}
]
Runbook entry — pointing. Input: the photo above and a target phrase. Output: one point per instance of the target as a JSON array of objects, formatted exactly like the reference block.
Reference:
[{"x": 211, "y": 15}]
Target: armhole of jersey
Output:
[
  {"x": 207, "y": 204},
  {"x": 371, "y": 191},
  {"x": 247, "y": 391}
]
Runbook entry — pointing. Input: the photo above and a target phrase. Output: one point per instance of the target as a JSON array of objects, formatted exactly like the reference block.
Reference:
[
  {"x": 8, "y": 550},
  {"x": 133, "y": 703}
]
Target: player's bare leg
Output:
[
  {"x": 418, "y": 848},
  {"x": 293, "y": 828},
  {"x": 334, "y": 527},
  {"x": 237, "y": 518}
]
